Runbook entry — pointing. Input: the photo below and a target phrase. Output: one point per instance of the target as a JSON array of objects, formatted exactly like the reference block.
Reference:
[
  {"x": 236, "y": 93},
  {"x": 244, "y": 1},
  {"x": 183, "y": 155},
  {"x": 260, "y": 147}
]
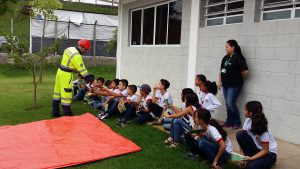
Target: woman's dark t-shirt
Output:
[{"x": 231, "y": 68}]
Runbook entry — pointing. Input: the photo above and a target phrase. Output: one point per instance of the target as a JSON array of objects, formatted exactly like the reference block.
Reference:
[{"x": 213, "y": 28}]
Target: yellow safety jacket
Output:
[{"x": 71, "y": 62}]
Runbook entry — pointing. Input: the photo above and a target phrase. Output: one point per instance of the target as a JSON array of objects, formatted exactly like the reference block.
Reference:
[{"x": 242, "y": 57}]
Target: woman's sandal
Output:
[
  {"x": 174, "y": 145},
  {"x": 167, "y": 141}
]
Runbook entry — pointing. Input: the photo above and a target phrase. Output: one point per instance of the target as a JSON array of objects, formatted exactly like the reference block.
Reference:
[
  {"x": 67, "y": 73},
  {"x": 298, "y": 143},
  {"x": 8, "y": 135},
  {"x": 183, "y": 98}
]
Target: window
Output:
[
  {"x": 220, "y": 12},
  {"x": 148, "y": 29},
  {"x": 157, "y": 25},
  {"x": 136, "y": 27},
  {"x": 280, "y": 9}
]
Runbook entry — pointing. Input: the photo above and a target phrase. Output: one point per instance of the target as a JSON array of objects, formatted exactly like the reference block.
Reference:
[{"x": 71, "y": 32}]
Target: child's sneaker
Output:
[{"x": 105, "y": 116}]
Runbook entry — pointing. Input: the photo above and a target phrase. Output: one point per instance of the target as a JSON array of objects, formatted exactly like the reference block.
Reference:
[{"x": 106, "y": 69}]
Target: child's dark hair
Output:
[
  {"x": 184, "y": 92},
  {"x": 107, "y": 83},
  {"x": 192, "y": 100},
  {"x": 165, "y": 83},
  {"x": 133, "y": 88},
  {"x": 237, "y": 48},
  {"x": 259, "y": 121},
  {"x": 101, "y": 79},
  {"x": 116, "y": 81},
  {"x": 203, "y": 114},
  {"x": 124, "y": 82},
  {"x": 211, "y": 87},
  {"x": 201, "y": 77}
]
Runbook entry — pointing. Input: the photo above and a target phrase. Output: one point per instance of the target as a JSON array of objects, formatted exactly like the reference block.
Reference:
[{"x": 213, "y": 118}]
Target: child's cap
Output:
[{"x": 146, "y": 88}]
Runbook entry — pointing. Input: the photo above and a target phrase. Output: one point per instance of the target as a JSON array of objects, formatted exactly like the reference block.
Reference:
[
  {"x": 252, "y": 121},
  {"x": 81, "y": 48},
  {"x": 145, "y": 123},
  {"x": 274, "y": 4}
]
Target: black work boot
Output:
[
  {"x": 67, "y": 110},
  {"x": 55, "y": 108}
]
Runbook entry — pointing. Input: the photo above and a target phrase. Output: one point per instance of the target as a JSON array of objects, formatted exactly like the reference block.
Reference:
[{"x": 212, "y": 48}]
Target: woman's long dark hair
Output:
[
  {"x": 211, "y": 87},
  {"x": 192, "y": 100},
  {"x": 237, "y": 48},
  {"x": 184, "y": 92},
  {"x": 259, "y": 121},
  {"x": 205, "y": 115}
]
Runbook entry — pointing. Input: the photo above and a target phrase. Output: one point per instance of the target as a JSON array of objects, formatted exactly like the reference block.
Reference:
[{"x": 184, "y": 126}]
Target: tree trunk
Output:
[
  {"x": 42, "y": 46},
  {"x": 34, "y": 86}
]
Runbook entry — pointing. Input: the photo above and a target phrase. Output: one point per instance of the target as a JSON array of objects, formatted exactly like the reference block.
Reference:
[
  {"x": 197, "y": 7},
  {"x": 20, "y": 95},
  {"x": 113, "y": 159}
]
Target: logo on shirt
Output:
[{"x": 81, "y": 65}]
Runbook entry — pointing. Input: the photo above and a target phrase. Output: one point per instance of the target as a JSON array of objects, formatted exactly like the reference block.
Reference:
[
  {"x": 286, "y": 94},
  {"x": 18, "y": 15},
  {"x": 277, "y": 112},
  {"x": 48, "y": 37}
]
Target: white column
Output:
[
  {"x": 119, "y": 46},
  {"x": 193, "y": 43}
]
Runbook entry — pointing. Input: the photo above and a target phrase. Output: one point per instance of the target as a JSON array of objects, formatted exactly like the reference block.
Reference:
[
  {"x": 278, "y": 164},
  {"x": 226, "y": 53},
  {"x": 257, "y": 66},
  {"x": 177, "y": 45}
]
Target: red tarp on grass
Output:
[{"x": 61, "y": 142}]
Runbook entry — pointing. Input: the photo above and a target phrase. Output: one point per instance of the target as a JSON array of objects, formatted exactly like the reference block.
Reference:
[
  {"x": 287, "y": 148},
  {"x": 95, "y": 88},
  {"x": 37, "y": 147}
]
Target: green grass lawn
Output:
[{"x": 16, "y": 100}]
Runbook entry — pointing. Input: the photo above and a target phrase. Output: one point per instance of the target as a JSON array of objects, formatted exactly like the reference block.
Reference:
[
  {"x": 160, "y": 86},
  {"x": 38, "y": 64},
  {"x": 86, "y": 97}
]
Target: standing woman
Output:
[{"x": 234, "y": 70}]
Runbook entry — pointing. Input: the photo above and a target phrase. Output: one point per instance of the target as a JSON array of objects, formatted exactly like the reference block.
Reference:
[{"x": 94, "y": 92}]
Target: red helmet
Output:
[{"x": 85, "y": 43}]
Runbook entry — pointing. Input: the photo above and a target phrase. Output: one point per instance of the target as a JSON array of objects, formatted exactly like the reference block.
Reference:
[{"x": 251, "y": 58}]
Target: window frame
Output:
[
  {"x": 154, "y": 26},
  {"x": 225, "y": 12},
  {"x": 292, "y": 9}
]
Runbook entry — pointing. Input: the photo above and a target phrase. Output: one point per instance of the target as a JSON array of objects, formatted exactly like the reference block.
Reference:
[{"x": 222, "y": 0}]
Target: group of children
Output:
[{"x": 193, "y": 121}]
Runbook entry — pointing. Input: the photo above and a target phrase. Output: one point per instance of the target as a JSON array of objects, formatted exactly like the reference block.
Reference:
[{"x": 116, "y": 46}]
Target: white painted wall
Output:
[
  {"x": 150, "y": 64},
  {"x": 272, "y": 51}
]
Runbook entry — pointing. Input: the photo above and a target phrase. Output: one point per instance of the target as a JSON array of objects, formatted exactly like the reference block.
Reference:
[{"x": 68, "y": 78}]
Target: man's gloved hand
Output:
[{"x": 89, "y": 78}]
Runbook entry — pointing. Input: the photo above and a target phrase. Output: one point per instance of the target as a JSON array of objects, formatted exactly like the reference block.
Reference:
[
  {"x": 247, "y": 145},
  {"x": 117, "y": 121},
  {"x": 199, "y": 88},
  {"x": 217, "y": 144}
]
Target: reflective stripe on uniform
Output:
[
  {"x": 84, "y": 75},
  {"x": 66, "y": 98},
  {"x": 56, "y": 98},
  {"x": 58, "y": 94},
  {"x": 82, "y": 70},
  {"x": 71, "y": 57},
  {"x": 66, "y": 104}
]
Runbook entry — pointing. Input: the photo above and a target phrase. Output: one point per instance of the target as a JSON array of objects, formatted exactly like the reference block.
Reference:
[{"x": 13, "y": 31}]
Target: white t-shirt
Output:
[
  {"x": 144, "y": 101},
  {"x": 133, "y": 98},
  {"x": 211, "y": 102},
  {"x": 213, "y": 134},
  {"x": 266, "y": 137},
  {"x": 200, "y": 95},
  {"x": 191, "y": 119},
  {"x": 161, "y": 98}
]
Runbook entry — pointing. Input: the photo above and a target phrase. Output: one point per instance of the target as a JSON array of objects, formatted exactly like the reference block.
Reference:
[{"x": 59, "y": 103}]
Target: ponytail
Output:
[
  {"x": 259, "y": 120},
  {"x": 220, "y": 129},
  {"x": 211, "y": 87}
]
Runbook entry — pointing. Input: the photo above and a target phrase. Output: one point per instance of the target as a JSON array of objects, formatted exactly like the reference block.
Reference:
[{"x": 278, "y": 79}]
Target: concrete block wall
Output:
[
  {"x": 272, "y": 51},
  {"x": 149, "y": 64}
]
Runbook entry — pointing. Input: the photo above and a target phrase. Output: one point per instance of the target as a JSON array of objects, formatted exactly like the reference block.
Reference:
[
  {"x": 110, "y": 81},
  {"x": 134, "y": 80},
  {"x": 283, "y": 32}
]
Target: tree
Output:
[
  {"x": 46, "y": 9},
  {"x": 4, "y": 6},
  {"x": 27, "y": 60},
  {"x": 111, "y": 46}
]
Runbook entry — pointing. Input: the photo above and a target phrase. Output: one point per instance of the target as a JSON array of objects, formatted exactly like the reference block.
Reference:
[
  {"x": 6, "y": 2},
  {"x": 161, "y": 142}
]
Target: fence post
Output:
[
  {"x": 11, "y": 24},
  {"x": 94, "y": 40},
  {"x": 55, "y": 32}
]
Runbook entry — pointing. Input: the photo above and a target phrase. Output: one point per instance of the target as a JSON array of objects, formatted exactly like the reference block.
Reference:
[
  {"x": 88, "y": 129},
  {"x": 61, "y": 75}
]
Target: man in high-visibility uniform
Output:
[{"x": 71, "y": 62}]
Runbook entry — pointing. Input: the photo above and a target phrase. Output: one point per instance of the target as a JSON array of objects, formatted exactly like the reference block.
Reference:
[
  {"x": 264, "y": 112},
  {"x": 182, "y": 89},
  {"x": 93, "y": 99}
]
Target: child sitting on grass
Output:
[
  {"x": 90, "y": 97},
  {"x": 114, "y": 98},
  {"x": 214, "y": 145},
  {"x": 179, "y": 125},
  {"x": 127, "y": 106},
  {"x": 157, "y": 106},
  {"x": 168, "y": 122},
  {"x": 256, "y": 139}
]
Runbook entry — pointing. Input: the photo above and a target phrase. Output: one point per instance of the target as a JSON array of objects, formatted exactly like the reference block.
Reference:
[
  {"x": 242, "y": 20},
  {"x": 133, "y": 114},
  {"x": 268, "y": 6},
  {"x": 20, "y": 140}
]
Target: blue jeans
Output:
[
  {"x": 210, "y": 150},
  {"x": 130, "y": 112},
  {"x": 233, "y": 114},
  {"x": 81, "y": 93},
  {"x": 113, "y": 107},
  {"x": 97, "y": 105},
  {"x": 177, "y": 128},
  {"x": 250, "y": 149},
  {"x": 167, "y": 123}
]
